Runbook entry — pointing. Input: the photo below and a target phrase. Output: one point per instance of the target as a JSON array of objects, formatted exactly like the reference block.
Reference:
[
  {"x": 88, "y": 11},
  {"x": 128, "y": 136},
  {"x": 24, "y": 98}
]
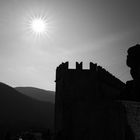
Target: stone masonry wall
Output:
[{"x": 133, "y": 116}]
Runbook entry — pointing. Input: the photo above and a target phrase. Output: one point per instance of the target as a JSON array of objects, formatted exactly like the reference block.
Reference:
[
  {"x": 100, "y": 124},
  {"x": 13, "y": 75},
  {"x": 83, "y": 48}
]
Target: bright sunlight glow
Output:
[{"x": 38, "y": 26}]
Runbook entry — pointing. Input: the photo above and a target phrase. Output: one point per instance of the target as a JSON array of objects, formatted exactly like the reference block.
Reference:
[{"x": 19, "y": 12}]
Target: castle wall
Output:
[
  {"x": 133, "y": 116},
  {"x": 84, "y": 105}
]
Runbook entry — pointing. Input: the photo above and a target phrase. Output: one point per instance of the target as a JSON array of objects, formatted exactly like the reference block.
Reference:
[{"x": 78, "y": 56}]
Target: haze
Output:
[{"x": 100, "y": 31}]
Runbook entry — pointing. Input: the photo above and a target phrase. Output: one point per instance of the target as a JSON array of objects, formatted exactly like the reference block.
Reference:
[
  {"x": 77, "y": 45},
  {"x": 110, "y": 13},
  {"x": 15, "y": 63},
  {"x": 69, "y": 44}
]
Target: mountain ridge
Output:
[
  {"x": 37, "y": 93},
  {"x": 19, "y": 111}
]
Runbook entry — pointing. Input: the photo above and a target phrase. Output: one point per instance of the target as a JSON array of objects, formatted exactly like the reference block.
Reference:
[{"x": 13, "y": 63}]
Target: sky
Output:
[{"x": 98, "y": 31}]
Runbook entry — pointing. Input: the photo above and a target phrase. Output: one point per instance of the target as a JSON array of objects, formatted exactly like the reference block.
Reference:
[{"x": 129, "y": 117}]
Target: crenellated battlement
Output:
[
  {"x": 78, "y": 66},
  {"x": 103, "y": 74}
]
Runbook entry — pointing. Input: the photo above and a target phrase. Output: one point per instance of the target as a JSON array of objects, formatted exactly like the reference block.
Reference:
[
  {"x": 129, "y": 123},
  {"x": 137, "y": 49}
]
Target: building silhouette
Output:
[{"x": 87, "y": 105}]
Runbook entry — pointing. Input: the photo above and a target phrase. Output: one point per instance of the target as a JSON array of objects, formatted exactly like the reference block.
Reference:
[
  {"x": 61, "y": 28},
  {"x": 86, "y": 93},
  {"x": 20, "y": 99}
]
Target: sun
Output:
[{"x": 38, "y": 26}]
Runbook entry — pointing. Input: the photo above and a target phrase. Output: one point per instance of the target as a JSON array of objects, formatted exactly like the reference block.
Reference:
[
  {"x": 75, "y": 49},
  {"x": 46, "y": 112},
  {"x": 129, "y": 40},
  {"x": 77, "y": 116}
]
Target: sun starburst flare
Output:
[{"x": 37, "y": 26}]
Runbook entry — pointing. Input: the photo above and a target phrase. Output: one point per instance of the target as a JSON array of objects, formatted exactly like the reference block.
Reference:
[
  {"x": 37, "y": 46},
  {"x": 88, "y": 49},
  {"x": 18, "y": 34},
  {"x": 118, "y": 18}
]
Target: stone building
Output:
[{"x": 86, "y": 105}]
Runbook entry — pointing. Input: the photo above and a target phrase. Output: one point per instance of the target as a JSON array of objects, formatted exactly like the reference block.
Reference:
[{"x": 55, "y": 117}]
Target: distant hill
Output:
[
  {"x": 40, "y": 94},
  {"x": 18, "y": 111}
]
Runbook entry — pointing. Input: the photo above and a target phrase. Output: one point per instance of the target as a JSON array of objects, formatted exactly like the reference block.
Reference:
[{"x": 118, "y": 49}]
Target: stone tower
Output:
[{"x": 84, "y": 103}]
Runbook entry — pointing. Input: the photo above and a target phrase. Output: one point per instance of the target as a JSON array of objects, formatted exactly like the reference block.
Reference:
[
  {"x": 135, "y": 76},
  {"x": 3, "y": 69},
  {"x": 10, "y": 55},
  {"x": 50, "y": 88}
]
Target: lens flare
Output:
[{"x": 37, "y": 26}]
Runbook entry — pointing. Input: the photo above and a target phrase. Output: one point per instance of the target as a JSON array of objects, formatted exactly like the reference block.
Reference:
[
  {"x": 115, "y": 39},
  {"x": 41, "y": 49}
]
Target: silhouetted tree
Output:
[{"x": 131, "y": 91}]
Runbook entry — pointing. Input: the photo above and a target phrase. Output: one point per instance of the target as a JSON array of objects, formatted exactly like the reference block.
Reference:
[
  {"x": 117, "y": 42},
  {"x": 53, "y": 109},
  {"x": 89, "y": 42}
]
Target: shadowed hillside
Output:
[
  {"x": 40, "y": 94},
  {"x": 20, "y": 112}
]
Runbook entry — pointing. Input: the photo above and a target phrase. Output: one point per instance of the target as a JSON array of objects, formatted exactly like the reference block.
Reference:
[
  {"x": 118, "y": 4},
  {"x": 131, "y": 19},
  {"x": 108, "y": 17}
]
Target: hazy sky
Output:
[{"x": 100, "y": 31}]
